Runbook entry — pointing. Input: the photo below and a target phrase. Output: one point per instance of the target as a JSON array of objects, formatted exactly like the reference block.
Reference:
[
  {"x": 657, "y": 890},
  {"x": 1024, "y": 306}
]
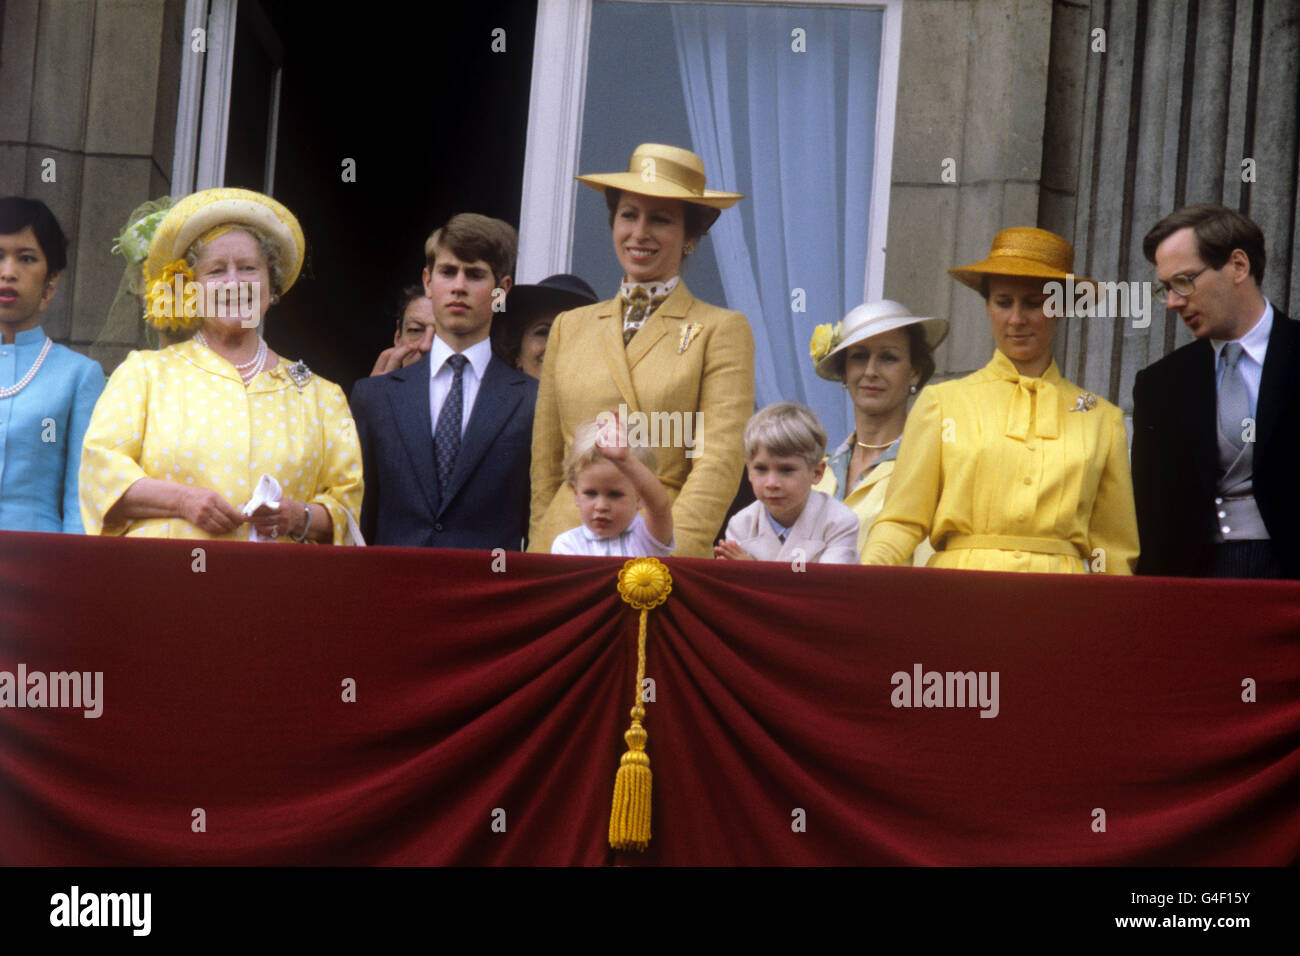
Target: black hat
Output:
[{"x": 553, "y": 294}]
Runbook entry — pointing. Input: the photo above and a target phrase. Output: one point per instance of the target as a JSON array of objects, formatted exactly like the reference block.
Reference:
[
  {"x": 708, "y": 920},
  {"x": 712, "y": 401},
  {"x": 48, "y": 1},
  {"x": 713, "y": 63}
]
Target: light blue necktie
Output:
[{"x": 1234, "y": 400}]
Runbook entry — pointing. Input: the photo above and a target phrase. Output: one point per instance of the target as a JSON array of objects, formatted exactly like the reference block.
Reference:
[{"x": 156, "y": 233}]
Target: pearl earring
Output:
[{"x": 913, "y": 390}]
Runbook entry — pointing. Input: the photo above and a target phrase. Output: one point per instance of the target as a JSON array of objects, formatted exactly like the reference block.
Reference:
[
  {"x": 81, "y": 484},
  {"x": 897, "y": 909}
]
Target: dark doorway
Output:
[{"x": 435, "y": 121}]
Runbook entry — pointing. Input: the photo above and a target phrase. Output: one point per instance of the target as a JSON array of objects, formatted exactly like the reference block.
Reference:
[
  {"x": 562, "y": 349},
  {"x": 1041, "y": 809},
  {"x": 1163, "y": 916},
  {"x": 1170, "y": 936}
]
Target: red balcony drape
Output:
[{"x": 490, "y": 704}]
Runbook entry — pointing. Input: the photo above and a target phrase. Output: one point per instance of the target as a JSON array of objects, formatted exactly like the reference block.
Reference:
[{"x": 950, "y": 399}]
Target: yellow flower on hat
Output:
[
  {"x": 161, "y": 310},
  {"x": 199, "y": 214},
  {"x": 824, "y": 338}
]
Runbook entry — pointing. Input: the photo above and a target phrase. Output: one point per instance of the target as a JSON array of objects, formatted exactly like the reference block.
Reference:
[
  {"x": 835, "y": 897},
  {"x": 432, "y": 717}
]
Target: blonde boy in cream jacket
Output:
[{"x": 784, "y": 445}]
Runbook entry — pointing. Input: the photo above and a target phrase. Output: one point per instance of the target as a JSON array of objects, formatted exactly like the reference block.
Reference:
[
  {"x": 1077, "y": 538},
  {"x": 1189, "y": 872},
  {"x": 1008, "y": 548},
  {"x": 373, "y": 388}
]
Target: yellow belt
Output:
[{"x": 1010, "y": 542}]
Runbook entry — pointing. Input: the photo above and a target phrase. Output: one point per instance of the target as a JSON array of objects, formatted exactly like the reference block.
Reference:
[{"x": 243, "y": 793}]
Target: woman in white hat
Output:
[
  {"x": 217, "y": 436},
  {"x": 882, "y": 354},
  {"x": 681, "y": 370},
  {"x": 1013, "y": 468}
]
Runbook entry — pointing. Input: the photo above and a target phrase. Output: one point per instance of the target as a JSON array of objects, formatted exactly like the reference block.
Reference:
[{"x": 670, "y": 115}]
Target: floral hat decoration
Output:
[
  {"x": 133, "y": 243},
  {"x": 199, "y": 215},
  {"x": 829, "y": 343}
]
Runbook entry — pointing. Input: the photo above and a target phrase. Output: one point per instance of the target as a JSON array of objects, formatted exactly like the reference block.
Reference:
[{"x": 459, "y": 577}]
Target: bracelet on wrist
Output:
[{"x": 306, "y": 525}]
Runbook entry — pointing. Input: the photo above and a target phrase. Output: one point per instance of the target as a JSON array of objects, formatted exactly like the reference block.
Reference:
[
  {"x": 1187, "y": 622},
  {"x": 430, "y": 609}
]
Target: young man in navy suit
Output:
[
  {"x": 1216, "y": 424},
  {"x": 446, "y": 442}
]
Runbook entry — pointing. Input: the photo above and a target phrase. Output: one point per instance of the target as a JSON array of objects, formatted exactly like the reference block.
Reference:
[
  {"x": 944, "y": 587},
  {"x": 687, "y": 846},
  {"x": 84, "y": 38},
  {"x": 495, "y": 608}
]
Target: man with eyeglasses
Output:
[{"x": 1216, "y": 443}]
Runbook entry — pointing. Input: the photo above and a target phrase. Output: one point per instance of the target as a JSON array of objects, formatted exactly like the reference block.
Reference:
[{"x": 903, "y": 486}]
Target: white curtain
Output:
[{"x": 794, "y": 132}]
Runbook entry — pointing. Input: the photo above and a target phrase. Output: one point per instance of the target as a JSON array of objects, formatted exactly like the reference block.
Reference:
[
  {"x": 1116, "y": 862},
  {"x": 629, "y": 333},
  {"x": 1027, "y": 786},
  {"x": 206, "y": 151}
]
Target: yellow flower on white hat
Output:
[{"x": 824, "y": 338}]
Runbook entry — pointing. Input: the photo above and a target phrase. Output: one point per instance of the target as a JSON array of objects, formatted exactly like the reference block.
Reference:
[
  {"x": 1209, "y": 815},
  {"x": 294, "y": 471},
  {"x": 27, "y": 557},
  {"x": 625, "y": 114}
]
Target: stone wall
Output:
[
  {"x": 90, "y": 85},
  {"x": 1047, "y": 130},
  {"x": 1165, "y": 117},
  {"x": 971, "y": 89}
]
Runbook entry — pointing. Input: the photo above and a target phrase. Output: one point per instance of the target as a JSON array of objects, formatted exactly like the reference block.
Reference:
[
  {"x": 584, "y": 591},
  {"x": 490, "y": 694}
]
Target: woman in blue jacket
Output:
[{"x": 47, "y": 391}]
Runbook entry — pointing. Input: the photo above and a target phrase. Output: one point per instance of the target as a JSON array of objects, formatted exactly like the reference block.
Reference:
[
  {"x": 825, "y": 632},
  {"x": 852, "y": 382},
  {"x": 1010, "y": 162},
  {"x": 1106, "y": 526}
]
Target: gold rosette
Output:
[{"x": 643, "y": 583}]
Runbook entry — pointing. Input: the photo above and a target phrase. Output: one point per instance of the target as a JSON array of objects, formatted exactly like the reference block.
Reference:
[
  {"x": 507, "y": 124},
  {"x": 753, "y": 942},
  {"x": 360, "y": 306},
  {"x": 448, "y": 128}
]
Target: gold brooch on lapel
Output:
[
  {"x": 300, "y": 373},
  {"x": 1086, "y": 402},
  {"x": 689, "y": 331}
]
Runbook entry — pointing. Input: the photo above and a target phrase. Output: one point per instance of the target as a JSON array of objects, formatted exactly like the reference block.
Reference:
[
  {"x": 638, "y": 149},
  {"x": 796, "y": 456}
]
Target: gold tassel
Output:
[{"x": 643, "y": 583}]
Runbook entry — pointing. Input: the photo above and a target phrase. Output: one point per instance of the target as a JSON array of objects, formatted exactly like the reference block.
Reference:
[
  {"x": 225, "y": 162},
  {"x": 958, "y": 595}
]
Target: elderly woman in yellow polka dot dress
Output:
[{"x": 218, "y": 436}]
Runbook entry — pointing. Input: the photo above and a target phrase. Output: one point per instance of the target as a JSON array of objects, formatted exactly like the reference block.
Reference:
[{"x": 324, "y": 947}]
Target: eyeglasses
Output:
[{"x": 1184, "y": 284}]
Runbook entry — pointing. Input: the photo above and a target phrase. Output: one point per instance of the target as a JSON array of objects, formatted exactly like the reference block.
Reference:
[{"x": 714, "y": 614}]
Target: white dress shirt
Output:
[
  {"x": 1254, "y": 345},
  {"x": 635, "y": 541},
  {"x": 442, "y": 375},
  {"x": 782, "y": 532}
]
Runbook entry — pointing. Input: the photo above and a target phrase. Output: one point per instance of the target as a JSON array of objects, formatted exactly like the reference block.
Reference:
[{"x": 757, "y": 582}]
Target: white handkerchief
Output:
[{"x": 267, "y": 493}]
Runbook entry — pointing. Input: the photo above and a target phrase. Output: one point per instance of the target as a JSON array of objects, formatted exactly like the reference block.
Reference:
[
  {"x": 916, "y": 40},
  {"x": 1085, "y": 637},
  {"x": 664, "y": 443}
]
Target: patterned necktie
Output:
[
  {"x": 1234, "y": 401},
  {"x": 446, "y": 436},
  {"x": 639, "y": 306}
]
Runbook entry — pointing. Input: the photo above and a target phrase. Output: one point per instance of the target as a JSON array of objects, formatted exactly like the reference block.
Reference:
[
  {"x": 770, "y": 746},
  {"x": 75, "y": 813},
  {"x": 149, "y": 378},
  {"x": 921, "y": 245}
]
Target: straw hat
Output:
[
  {"x": 668, "y": 172},
  {"x": 198, "y": 213},
  {"x": 862, "y": 322},
  {"x": 1022, "y": 251}
]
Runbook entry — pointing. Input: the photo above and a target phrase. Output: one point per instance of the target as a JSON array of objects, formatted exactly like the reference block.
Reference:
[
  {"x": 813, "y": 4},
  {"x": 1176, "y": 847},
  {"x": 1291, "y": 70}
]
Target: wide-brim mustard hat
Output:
[
  {"x": 668, "y": 172},
  {"x": 198, "y": 213},
  {"x": 863, "y": 321},
  {"x": 1022, "y": 251}
]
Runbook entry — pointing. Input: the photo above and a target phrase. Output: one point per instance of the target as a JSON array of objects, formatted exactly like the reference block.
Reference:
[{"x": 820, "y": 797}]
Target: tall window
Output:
[{"x": 786, "y": 103}]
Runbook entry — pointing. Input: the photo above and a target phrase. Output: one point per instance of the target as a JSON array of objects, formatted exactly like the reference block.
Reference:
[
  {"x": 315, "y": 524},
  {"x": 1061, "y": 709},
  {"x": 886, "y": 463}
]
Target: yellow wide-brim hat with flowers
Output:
[
  {"x": 199, "y": 213},
  {"x": 669, "y": 172},
  {"x": 1022, "y": 251}
]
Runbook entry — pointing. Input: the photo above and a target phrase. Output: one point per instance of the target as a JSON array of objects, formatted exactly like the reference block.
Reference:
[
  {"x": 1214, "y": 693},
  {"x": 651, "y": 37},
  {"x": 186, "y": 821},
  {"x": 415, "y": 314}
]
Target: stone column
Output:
[
  {"x": 1166, "y": 116},
  {"x": 971, "y": 89},
  {"x": 91, "y": 106}
]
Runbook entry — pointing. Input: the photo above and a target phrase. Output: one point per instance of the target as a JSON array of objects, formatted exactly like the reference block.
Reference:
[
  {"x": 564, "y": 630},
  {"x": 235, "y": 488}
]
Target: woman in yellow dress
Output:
[
  {"x": 1013, "y": 468},
  {"x": 183, "y": 437},
  {"x": 680, "y": 370},
  {"x": 881, "y": 354}
]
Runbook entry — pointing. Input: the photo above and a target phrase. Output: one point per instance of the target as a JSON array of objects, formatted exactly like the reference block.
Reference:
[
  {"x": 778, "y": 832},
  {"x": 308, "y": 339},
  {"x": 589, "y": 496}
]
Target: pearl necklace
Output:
[
  {"x": 248, "y": 370},
  {"x": 862, "y": 444},
  {"x": 12, "y": 390}
]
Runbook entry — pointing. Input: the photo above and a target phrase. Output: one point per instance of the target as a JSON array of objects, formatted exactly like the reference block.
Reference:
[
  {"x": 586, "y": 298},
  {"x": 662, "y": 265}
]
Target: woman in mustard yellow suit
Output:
[
  {"x": 881, "y": 354},
  {"x": 1013, "y": 468},
  {"x": 681, "y": 370}
]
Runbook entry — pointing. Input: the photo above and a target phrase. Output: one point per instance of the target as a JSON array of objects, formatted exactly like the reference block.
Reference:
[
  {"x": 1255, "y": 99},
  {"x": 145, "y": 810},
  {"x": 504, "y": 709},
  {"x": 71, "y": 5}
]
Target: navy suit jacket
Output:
[
  {"x": 486, "y": 503},
  {"x": 1176, "y": 454}
]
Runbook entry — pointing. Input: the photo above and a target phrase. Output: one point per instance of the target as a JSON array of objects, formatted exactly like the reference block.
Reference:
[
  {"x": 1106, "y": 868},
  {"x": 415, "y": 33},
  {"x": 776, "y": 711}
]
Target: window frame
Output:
[{"x": 556, "y": 97}]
